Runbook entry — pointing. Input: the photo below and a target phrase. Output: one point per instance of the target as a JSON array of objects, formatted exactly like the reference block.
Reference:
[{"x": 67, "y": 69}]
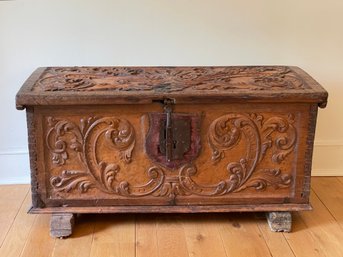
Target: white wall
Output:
[{"x": 305, "y": 33}]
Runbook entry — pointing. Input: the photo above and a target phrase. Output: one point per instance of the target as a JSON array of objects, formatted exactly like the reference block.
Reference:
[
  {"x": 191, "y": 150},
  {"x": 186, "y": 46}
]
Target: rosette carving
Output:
[{"x": 117, "y": 134}]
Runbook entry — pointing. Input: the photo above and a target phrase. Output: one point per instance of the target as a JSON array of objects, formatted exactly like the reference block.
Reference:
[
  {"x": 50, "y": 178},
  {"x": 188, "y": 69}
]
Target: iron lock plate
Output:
[{"x": 173, "y": 138}]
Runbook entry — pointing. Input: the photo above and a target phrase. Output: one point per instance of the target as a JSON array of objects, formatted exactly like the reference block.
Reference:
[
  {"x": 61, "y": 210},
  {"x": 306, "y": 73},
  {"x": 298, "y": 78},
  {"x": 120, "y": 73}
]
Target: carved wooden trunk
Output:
[{"x": 170, "y": 139}]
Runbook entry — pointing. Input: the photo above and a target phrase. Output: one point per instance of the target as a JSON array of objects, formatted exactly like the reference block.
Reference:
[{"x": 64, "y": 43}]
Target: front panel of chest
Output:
[{"x": 189, "y": 155}]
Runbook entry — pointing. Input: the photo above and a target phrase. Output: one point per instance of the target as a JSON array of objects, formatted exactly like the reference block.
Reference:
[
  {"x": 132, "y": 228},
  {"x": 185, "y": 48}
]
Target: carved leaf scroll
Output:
[
  {"x": 119, "y": 136},
  {"x": 275, "y": 134},
  {"x": 169, "y": 79},
  {"x": 225, "y": 133}
]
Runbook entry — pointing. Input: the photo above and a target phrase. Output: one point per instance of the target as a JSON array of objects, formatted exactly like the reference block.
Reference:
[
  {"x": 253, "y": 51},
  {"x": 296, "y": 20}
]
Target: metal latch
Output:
[
  {"x": 175, "y": 134},
  {"x": 173, "y": 138}
]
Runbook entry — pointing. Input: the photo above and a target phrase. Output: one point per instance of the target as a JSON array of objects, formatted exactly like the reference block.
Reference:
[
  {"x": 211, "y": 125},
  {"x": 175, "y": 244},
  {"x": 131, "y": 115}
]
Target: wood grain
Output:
[
  {"x": 61, "y": 224},
  {"x": 171, "y": 238},
  {"x": 242, "y": 237},
  {"x": 16, "y": 237},
  {"x": 176, "y": 209},
  {"x": 276, "y": 242},
  {"x": 114, "y": 235},
  {"x": 202, "y": 235},
  {"x": 146, "y": 236},
  {"x": 94, "y": 85},
  {"x": 248, "y": 149},
  {"x": 333, "y": 199},
  {"x": 39, "y": 243},
  {"x": 80, "y": 242},
  {"x": 330, "y": 234},
  {"x": 315, "y": 233},
  {"x": 10, "y": 202},
  {"x": 302, "y": 241},
  {"x": 264, "y": 167}
]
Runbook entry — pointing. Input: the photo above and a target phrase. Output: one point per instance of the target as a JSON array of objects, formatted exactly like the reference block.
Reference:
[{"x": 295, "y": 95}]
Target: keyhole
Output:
[{"x": 174, "y": 144}]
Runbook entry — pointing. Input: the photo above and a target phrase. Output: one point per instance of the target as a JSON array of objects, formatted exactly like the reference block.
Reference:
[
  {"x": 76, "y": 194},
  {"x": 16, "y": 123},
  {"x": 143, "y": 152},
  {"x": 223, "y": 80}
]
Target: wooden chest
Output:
[{"x": 170, "y": 139}]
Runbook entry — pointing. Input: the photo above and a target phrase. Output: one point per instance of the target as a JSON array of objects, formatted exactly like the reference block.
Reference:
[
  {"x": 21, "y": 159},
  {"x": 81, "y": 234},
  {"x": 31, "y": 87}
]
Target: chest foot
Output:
[
  {"x": 61, "y": 224},
  {"x": 279, "y": 221}
]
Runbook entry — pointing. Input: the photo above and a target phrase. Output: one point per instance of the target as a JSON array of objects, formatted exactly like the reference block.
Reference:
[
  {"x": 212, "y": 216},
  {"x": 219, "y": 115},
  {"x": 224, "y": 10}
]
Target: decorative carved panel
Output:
[
  {"x": 118, "y": 135},
  {"x": 170, "y": 79},
  {"x": 275, "y": 133},
  {"x": 257, "y": 134}
]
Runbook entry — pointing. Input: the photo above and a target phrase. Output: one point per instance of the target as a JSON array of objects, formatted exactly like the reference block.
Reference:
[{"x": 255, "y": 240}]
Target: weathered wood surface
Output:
[
  {"x": 262, "y": 160},
  {"x": 279, "y": 221},
  {"x": 132, "y": 85},
  {"x": 252, "y": 207},
  {"x": 61, "y": 224},
  {"x": 95, "y": 138}
]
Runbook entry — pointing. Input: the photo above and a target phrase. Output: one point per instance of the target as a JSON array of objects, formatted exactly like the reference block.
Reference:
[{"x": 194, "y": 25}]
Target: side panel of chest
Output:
[{"x": 97, "y": 156}]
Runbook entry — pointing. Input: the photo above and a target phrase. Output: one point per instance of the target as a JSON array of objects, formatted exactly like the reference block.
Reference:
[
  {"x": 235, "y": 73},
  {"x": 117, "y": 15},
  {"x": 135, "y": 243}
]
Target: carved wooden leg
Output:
[
  {"x": 61, "y": 224},
  {"x": 279, "y": 221}
]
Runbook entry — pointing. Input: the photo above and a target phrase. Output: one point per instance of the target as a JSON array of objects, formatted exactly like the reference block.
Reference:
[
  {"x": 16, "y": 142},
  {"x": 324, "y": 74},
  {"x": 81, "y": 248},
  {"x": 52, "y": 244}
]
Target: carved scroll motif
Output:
[
  {"x": 118, "y": 135},
  {"x": 275, "y": 133},
  {"x": 169, "y": 79}
]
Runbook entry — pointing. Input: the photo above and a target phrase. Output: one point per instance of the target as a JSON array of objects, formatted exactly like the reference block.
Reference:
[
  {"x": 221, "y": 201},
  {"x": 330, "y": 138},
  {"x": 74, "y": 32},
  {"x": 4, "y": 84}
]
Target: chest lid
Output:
[{"x": 141, "y": 85}]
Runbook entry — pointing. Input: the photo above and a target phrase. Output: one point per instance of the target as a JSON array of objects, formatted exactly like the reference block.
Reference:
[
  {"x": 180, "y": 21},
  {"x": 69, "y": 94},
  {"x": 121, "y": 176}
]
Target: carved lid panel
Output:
[{"x": 118, "y": 85}]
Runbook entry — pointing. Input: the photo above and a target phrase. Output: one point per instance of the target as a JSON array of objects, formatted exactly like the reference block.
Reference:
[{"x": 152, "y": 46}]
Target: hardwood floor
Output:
[{"x": 315, "y": 233}]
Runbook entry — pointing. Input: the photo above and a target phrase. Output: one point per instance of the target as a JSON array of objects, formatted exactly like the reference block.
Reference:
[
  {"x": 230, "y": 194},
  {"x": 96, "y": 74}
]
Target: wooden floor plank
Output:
[
  {"x": 330, "y": 192},
  {"x": 316, "y": 233},
  {"x": 242, "y": 237},
  {"x": 19, "y": 232},
  {"x": 276, "y": 242},
  {"x": 202, "y": 235},
  {"x": 80, "y": 242},
  {"x": 301, "y": 240},
  {"x": 39, "y": 242},
  {"x": 171, "y": 239},
  {"x": 114, "y": 235},
  {"x": 146, "y": 236},
  {"x": 12, "y": 197}
]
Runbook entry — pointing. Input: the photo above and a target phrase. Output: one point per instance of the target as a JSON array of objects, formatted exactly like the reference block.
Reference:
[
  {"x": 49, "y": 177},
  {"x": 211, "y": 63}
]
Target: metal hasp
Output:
[
  {"x": 175, "y": 134},
  {"x": 173, "y": 138}
]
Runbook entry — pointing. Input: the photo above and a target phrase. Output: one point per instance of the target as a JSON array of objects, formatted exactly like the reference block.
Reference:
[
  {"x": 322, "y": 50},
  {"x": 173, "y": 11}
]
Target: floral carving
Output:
[
  {"x": 71, "y": 179},
  {"x": 169, "y": 79},
  {"x": 171, "y": 188},
  {"x": 58, "y": 129},
  {"x": 237, "y": 180},
  {"x": 275, "y": 134},
  {"x": 225, "y": 133},
  {"x": 118, "y": 135}
]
